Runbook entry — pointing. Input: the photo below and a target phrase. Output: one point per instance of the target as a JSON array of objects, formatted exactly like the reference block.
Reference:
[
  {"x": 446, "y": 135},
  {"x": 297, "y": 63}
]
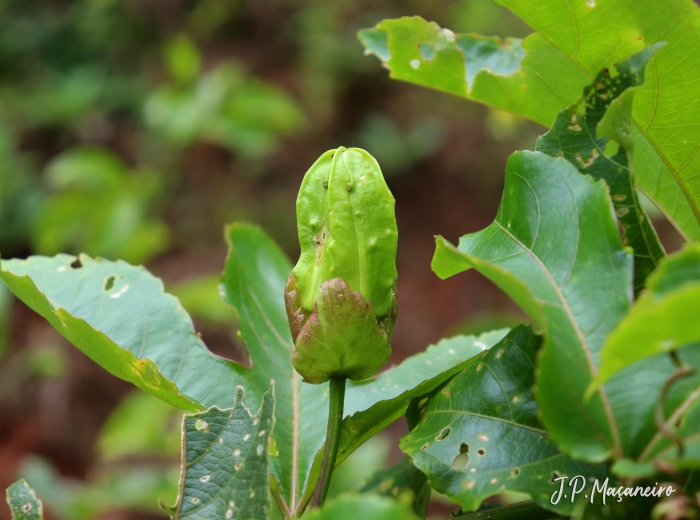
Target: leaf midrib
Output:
[{"x": 579, "y": 333}]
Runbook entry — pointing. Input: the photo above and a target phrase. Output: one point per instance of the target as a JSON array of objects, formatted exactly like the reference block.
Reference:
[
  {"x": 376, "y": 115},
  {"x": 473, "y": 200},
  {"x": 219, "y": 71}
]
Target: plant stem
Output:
[{"x": 335, "y": 418}]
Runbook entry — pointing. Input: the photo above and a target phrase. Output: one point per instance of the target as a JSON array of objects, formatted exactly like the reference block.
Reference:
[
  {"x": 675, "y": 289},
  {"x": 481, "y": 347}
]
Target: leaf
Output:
[
  {"x": 23, "y": 502},
  {"x": 573, "y": 43},
  {"x": 576, "y": 135},
  {"x": 119, "y": 316},
  {"x": 663, "y": 318},
  {"x": 480, "y": 435},
  {"x": 596, "y": 34},
  {"x": 225, "y": 471},
  {"x": 577, "y": 291},
  {"x": 404, "y": 478},
  {"x": 137, "y": 332},
  {"x": 527, "y": 77},
  {"x": 372, "y": 405},
  {"x": 254, "y": 281},
  {"x": 367, "y": 506}
]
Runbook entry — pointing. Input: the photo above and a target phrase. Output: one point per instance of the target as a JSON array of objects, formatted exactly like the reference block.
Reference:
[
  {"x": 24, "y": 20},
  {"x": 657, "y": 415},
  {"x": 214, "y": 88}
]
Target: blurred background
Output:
[{"x": 137, "y": 129}]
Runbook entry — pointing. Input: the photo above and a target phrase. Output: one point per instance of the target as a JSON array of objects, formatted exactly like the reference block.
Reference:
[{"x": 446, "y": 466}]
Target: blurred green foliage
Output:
[{"x": 99, "y": 207}]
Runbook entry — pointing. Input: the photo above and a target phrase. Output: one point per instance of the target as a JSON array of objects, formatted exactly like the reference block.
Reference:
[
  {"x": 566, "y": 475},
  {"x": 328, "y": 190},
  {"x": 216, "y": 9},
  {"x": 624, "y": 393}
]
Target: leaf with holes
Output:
[
  {"x": 23, "y": 502},
  {"x": 576, "y": 135},
  {"x": 372, "y": 405},
  {"x": 596, "y": 34},
  {"x": 225, "y": 471},
  {"x": 573, "y": 43},
  {"x": 577, "y": 291},
  {"x": 555, "y": 249},
  {"x": 528, "y": 77},
  {"x": 663, "y": 319},
  {"x": 119, "y": 316},
  {"x": 480, "y": 435},
  {"x": 400, "y": 480}
]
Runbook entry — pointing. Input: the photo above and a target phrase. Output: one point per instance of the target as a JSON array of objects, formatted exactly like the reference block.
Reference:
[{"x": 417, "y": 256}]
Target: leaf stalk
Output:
[{"x": 336, "y": 404}]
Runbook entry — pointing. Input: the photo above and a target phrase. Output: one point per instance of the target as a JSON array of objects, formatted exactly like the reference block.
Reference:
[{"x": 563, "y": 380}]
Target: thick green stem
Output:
[{"x": 335, "y": 418}]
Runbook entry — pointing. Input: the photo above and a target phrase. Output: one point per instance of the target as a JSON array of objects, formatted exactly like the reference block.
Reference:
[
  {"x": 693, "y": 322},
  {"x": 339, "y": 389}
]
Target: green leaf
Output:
[
  {"x": 573, "y": 43},
  {"x": 352, "y": 507},
  {"x": 225, "y": 470},
  {"x": 23, "y": 502},
  {"x": 480, "y": 434},
  {"x": 254, "y": 281},
  {"x": 577, "y": 291},
  {"x": 399, "y": 480},
  {"x": 605, "y": 110},
  {"x": 119, "y": 316},
  {"x": 664, "y": 318},
  {"x": 528, "y": 77},
  {"x": 597, "y": 34},
  {"x": 372, "y": 405}
]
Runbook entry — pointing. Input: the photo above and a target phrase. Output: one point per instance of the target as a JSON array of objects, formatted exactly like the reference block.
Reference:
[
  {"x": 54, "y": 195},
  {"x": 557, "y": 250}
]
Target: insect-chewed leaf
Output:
[
  {"x": 225, "y": 469},
  {"x": 480, "y": 434},
  {"x": 23, "y": 502},
  {"x": 581, "y": 134}
]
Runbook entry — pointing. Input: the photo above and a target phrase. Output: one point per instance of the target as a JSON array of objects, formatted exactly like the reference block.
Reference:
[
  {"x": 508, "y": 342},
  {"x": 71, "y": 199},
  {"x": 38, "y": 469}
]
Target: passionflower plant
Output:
[{"x": 341, "y": 295}]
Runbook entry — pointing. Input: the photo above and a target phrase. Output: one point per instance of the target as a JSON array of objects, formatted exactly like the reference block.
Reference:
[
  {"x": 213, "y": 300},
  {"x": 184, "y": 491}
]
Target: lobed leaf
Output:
[
  {"x": 24, "y": 505},
  {"x": 225, "y": 471},
  {"x": 479, "y": 434}
]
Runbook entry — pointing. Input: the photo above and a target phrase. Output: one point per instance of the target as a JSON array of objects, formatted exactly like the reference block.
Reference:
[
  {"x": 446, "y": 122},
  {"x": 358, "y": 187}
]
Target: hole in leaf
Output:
[
  {"x": 427, "y": 51},
  {"x": 443, "y": 434},
  {"x": 555, "y": 475},
  {"x": 109, "y": 283},
  {"x": 514, "y": 472},
  {"x": 462, "y": 459},
  {"x": 76, "y": 264},
  {"x": 481, "y": 452},
  {"x": 425, "y": 446},
  {"x": 421, "y": 404}
]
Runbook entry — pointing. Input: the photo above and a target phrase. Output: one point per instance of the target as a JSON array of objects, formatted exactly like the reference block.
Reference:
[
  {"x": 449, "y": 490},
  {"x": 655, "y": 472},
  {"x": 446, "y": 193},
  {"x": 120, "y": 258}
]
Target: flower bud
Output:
[{"x": 341, "y": 295}]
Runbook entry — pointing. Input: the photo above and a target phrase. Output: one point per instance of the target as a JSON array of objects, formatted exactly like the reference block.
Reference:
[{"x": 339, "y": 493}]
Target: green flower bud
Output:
[{"x": 341, "y": 295}]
